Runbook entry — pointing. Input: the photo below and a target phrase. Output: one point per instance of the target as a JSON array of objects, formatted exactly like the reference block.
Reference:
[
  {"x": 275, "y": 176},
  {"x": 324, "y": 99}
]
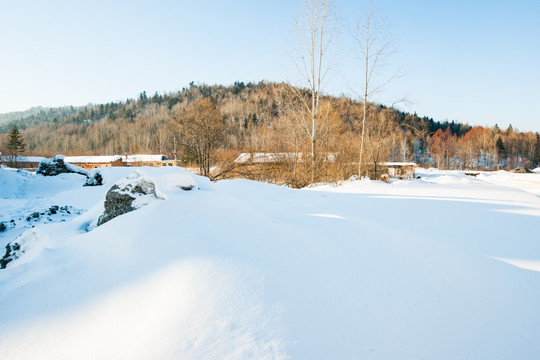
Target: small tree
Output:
[
  {"x": 15, "y": 143},
  {"x": 202, "y": 127},
  {"x": 316, "y": 29},
  {"x": 375, "y": 47},
  {"x": 380, "y": 135},
  {"x": 501, "y": 151}
]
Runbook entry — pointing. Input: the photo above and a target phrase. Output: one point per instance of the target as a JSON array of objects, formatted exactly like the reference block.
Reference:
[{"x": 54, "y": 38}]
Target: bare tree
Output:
[
  {"x": 375, "y": 47},
  {"x": 380, "y": 135},
  {"x": 316, "y": 32},
  {"x": 202, "y": 127}
]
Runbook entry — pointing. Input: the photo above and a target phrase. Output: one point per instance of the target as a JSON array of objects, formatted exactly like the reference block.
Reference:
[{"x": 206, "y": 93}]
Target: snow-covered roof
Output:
[
  {"x": 243, "y": 158},
  {"x": 260, "y": 157},
  {"x": 390, "y": 163},
  {"x": 144, "y": 158},
  {"x": 24, "y": 158},
  {"x": 91, "y": 159},
  {"x": 111, "y": 158},
  {"x": 266, "y": 157}
]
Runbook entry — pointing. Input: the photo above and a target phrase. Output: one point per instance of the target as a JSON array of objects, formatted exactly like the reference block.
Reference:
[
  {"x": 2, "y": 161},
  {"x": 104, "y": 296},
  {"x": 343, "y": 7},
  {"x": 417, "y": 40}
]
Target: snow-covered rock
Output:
[
  {"x": 56, "y": 165},
  {"x": 94, "y": 178},
  {"x": 128, "y": 194},
  {"x": 27, "y": 241}
]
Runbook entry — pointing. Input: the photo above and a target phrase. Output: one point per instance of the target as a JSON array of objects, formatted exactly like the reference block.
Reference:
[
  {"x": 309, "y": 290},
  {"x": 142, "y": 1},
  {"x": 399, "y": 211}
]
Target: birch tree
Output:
[
  {"x": 375, "y": 47},
  {"x": 316, "y": 30}
]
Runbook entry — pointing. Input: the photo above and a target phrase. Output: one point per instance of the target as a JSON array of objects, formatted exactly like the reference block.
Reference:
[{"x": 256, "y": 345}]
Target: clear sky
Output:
[{"x": 471, "y": 61}]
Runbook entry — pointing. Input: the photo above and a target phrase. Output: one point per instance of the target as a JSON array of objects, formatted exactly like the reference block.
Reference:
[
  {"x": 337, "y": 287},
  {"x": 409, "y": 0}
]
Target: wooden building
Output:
[
  {"x": 148, "y": 160},
  {"x": 92, "y": 162},
  {"x": 29, "y": 163},
  {"x": 398, "y": 170}
]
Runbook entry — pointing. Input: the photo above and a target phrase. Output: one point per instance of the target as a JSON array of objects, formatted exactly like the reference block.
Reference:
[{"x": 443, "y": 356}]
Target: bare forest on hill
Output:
[{"x": 209, "y": 126}]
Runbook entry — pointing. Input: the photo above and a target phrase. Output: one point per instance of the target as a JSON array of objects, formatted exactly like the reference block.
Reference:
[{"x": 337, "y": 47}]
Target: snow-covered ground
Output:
[{"x": 442, "y": 267}]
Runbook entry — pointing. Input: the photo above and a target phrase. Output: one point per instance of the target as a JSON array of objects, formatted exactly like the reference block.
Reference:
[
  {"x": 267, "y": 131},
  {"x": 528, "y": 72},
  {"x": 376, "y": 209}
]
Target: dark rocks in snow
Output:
[
  {"x": 20, "y": 246},
  {"x": 56, "y": 165},
  {"x": 54, "y": 213},
  {"x": 2, "y": 226},
  {"x": 521, "y": 170},
  {"x": 12, "y": 253},
  {"x": 116, "y": 203},
  {"x": 94, "y": 179},
  {"x": 125, "y": 196},
  {"x": 34, "y": 215}
]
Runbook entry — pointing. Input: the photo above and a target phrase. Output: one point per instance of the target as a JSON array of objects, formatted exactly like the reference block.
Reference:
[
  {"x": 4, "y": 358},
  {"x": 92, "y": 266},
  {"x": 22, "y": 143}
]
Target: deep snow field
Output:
[{"x": 442, "y": 267}]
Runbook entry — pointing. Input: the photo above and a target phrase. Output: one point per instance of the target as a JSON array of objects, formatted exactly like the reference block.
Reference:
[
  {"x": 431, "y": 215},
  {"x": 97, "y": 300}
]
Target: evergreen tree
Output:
[
  {"x": 15, "y": 143},
  {"x": 536, "y": 160},
  {"x": 501, "y": 150}
]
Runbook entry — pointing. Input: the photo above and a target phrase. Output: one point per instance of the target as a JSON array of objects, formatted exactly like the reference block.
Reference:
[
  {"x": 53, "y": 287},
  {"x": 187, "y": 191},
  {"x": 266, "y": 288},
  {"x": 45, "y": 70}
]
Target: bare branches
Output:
[
  {"x": 375, "y": 47},
  {"x": 202, "y": 129},
  {"x": 316, "y": 29}
]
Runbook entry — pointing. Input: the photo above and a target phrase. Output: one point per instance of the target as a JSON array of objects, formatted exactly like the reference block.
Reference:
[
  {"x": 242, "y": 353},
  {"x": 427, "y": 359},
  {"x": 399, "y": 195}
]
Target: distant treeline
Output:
[{"x": 261, "y": 117}]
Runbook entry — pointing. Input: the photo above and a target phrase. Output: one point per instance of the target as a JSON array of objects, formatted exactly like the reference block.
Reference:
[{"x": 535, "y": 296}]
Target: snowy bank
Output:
[{"x": 440, "y": 267}]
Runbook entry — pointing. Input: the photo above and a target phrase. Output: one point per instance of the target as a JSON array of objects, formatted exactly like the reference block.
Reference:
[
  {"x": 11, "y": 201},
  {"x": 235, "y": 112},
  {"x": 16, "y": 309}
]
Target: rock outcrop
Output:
[
  {"x": 27, "y": 242},
  {"x": 56, "y": 165},
  {"x": 12, "y": 253},
  {"x": 127, "y": 195},
  {"x": 94, "y": 179}
]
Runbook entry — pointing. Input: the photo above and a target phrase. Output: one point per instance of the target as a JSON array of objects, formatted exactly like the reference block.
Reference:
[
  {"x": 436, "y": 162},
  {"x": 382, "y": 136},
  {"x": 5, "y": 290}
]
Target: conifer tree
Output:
[
  {"x": 501, "y": 151},
  {"x": 15, "y": 143}
]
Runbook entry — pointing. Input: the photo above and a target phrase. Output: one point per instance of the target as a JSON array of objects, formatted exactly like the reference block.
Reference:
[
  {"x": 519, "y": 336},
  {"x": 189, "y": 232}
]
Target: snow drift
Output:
[{"x": 441, "y": 267}]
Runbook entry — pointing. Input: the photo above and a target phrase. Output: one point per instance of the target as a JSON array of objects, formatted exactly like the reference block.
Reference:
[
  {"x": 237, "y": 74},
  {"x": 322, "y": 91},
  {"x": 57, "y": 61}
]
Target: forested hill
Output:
[
  {"x": 135, "y": 108},
  {"x": 266, "y": 117},
  {"x": 70, "y": 114},
  {"x": 32, "y": 116}
]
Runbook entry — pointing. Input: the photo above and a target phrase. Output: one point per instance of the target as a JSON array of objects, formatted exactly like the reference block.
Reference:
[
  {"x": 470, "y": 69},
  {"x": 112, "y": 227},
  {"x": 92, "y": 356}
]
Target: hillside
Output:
[
  {"x": 238, "y": 269},
  {"x": 33, "y": 117},
  {"x": 245, "y": 105},
  {"x": 19, "y": 115},
  {"x": 269, "y": 117}
]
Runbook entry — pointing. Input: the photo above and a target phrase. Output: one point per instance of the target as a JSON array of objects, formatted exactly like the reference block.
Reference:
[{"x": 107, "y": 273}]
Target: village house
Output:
[
  {"x": 30, "y": 163},
  {"x": 92, "y": 162},
  {"x": 278, "y": 157},
  {"x": 148, "y": 160},
  {"x": 399, "y": 170},
  {"x": 385, "y": 170}
]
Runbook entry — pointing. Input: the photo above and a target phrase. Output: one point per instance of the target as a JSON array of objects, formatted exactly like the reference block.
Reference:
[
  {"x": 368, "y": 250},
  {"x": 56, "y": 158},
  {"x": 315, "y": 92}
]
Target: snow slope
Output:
[{"x": 443, "y": 267}]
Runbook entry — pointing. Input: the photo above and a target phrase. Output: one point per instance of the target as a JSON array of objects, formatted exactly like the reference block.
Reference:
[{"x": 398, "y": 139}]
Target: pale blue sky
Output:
[{"x": 469, "y": 61}]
